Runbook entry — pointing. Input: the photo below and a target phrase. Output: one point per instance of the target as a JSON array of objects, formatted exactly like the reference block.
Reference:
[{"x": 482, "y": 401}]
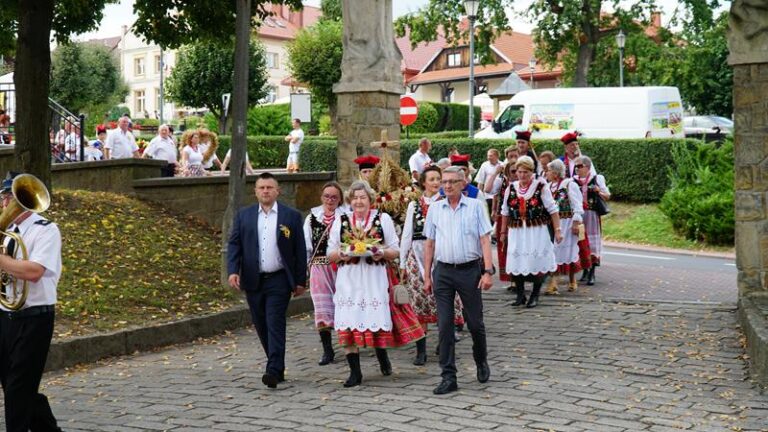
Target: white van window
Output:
[{"x": 508, "y": 118}]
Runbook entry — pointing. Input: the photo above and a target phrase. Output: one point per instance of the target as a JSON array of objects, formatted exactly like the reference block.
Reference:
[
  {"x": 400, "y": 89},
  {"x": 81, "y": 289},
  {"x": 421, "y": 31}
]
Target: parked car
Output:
[{"x": 707, "y": 125}]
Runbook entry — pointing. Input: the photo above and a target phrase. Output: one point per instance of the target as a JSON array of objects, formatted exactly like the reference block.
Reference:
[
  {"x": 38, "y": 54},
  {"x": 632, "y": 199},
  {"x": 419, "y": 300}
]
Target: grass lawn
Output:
[
  {"x": 646, "y": 224},
  {"x": 128, "y": 263}
]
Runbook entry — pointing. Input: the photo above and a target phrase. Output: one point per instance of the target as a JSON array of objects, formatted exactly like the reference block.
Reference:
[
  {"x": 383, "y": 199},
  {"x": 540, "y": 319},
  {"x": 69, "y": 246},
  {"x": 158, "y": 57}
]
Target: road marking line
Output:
[{"x": 640, "y": 256}]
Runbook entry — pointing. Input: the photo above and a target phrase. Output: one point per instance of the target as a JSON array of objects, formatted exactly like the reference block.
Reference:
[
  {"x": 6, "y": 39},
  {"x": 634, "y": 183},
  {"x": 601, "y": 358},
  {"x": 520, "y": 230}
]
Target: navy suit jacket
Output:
[{"x": 243, "y": 250}]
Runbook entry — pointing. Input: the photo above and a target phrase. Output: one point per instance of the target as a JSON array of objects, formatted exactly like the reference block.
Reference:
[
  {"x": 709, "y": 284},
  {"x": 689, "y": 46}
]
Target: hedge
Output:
[
  {"x": 272, "y": 151},
  {"x": 635, "y": 170},
  {"x": 439, "y": 117}
]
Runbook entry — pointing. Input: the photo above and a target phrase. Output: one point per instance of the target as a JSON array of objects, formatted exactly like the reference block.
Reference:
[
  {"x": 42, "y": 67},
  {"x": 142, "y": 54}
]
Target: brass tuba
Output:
[{"x": 28, "y": 194}]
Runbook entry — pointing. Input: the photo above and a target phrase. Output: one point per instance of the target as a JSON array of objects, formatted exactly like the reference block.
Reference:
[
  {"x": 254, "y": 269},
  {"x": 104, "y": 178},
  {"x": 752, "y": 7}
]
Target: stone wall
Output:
[
  {"x": 116, "y": 175},
  {"x": 206, "y": 197}
]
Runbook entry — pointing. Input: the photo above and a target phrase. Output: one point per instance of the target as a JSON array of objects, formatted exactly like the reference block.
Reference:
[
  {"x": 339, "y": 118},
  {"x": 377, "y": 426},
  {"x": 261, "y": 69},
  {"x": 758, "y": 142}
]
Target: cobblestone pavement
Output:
[{"x": 572, "y": 364}]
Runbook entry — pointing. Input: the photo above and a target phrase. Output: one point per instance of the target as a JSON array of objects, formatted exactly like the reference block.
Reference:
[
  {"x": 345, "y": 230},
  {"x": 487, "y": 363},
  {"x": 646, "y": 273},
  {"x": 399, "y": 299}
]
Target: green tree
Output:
[
  {"x": 331, "y": 10},
  {"x": 85, "y": 78},
  {"x": 566, "y": 31},
  {"x": 29, "y": 25},
  {"x": 204, "y": 71},
  {"x": 314, "y": 58}
]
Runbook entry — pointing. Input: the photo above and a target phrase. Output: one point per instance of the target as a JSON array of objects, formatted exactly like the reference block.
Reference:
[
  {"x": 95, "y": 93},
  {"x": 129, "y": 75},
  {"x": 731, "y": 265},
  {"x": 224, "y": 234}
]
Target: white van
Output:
[{"x": 599, "y": 112}]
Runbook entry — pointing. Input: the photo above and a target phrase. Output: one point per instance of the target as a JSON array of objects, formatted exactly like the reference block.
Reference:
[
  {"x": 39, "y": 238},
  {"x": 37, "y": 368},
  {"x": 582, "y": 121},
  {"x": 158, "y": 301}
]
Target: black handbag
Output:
[{"x": 601, "y": 207}]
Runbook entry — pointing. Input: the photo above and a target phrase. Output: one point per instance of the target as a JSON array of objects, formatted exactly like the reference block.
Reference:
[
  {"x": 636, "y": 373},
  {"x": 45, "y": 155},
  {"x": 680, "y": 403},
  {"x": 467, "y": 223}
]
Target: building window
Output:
[
  {"x": 139, "y": 101},
  {"x": 454, "y": 59},
  {"x": 138, "y": 66},
  {"x": 158, "y": 100},
  {"x": 273, "y": 60},
  {"x": 271, "y": 95},
  {"x": 158, "y": 64}
]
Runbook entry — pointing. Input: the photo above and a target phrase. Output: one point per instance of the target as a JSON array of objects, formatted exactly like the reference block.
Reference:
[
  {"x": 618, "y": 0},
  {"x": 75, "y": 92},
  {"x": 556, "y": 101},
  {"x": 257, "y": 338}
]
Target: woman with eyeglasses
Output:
[
  {"x": 527, "y": 209},
  {"x": 322, "y": 274},
  {"x": 568, "y": 254},
  {"x": 593, "y": 187},
  {"x": 503, "y": 177},
  {"x": 412, "y": 259}
]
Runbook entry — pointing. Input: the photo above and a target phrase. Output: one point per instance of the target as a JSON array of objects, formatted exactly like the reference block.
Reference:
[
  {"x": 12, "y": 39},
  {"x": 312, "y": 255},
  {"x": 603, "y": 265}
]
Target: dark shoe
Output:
[
  {"x": 532, "y": 302},
  {"x": 591, "y": 279},
  {"x": 584, "y": 275},
  {"x": 384, "y": 364},
  {"x": 281, "y": 377},
  {"x": 270, "y": 380},
  {"x": 328, "y": 353},
  {"x": 483, "y": 371},
  {"x": 355, "y": 375},
  {"x": 459, "y": 327},
  {"x": 520, "y": 291},
  {"x": 445, "y": 387},
  {"x": 421, "y": 352}
]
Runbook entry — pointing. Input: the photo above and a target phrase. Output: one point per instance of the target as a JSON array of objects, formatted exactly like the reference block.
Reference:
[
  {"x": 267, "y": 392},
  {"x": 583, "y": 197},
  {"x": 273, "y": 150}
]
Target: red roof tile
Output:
[
  {"x": 417, "y": 58},
  {"x": 458, "y": 74},
  {"x": 284, "y": 24}
]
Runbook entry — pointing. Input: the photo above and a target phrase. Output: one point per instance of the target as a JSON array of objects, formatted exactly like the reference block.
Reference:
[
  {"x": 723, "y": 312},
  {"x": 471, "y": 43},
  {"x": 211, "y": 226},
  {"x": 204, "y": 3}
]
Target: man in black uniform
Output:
[{"x": 25, "y": 334}]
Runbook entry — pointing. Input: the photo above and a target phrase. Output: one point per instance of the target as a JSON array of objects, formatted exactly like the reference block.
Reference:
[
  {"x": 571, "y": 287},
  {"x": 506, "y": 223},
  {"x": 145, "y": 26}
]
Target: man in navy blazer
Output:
[{"x": 267, "y": 259}]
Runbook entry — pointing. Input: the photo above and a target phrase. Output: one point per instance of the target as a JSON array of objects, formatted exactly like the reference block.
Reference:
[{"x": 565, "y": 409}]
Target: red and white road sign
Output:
[{"x": 408, "y": 110}]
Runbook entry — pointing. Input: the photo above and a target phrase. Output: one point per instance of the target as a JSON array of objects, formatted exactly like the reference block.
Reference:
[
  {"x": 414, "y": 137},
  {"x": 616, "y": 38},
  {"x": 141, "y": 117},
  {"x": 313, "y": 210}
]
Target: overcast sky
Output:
[{"x": 117, "y": 15}]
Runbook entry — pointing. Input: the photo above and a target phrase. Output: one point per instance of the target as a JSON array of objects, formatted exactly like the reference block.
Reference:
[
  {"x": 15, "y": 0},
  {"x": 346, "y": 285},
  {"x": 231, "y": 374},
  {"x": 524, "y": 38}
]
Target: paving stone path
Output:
[{"x": 572, "y": 364}]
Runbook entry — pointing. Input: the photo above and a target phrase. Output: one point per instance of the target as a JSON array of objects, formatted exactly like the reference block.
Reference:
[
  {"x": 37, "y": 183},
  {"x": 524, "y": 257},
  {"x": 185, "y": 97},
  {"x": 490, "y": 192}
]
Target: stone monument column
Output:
[
  {"x": 748, "y": 44},
  {"x": 371, "y": 83}
]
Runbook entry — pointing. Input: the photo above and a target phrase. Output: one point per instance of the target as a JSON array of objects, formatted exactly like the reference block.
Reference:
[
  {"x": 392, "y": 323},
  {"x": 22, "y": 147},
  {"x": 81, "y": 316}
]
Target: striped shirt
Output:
[{"x": 457, "y": 232}]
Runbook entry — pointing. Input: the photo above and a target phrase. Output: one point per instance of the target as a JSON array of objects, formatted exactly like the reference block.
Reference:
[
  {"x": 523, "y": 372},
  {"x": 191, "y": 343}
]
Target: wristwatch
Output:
[{"x": 491, "y": 271}]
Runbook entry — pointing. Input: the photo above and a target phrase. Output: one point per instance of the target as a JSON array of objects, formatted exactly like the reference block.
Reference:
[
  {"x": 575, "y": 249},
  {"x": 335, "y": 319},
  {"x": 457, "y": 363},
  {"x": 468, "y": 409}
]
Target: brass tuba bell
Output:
[{"x": 28, "y": 194}]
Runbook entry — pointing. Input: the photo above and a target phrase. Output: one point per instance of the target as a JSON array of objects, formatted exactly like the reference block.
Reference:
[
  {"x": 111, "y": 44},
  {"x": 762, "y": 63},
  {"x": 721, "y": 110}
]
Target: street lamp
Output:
[
  {"x": 532, "y": 66},
  {"x": 471, "y": 7},
  {"x": 621, "y": 39}
]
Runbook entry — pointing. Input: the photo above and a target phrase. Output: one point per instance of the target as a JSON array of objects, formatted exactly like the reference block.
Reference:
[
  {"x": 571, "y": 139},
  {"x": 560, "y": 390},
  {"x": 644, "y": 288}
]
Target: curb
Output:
[
  {"x": 754, "y": 324},
  {"x": 91, "y": 348},
  {"x": 648, "y": 248}
]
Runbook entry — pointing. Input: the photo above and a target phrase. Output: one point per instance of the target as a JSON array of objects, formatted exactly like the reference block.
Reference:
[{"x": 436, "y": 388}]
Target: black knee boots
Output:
[
  {"x": 328, "y": 354},
  {"x": 384, "y": 364},
  {"x": 421, "y": 352},
  {"x": 355, "y": 375},
  {"x": 533, "y": 301},
  {"x": 591, "y": 278},
  {"x": 520, "y": 291}
]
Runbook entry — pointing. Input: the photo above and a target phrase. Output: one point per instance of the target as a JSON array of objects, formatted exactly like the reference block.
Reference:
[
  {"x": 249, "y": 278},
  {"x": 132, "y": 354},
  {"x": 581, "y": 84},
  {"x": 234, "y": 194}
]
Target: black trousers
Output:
[
  {"x": 448, "y": 281},
  {"x": 168, "y": 170},
  {"x": 268, "y": 305},
  {"x": 24, "y": 344}
]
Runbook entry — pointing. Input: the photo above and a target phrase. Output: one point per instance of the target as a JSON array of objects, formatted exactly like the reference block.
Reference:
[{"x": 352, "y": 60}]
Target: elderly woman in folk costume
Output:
[
  {"x": 572, "y": 250},
  {"x": 504, "y": 175},
  {"x": 322, "y": 273},
  {"x": 412, "y": 258},
  {"x": 527, "y": 209},
  {"x": 594, "y": 193}
]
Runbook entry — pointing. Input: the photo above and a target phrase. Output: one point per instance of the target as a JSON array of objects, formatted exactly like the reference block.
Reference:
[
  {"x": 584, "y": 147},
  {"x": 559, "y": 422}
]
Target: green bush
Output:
[
  {"x": 117, "y": 111},
  {"x": 192, "y": 122},
  {"x": 459, "y": 117},
  {"x": 634, "y": 169},
  {"x": 271, "y": 120},
  {"x": 211, "y": 122},
  {"x": 272, "y": 151},
  {"x": 147, "y": 122},
  {"x": 426, "y": 121},
  {"x": 324, "y": 125},
  {"x": 700, "y": 199}
]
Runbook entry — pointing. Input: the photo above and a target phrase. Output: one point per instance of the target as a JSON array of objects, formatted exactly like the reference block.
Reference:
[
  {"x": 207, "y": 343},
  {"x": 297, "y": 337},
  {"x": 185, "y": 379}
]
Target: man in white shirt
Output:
[
  {"x": 72, "y": 145},
  {"x": 486, "y": 171},
  {"x": 420, "y": 160},
  {"x": 25, "y": 334},
  {"x": 120, "y": 142},
  {"x": 294, "y": 140},
  {"x": 162, "y": 148}
]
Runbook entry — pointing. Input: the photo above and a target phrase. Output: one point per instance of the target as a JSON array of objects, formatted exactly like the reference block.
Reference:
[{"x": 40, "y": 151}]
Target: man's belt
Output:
[
  {"x": 270, "y": 275},
  {"x": 28, "y": 312},
  {"x": 466, "y": 265}
]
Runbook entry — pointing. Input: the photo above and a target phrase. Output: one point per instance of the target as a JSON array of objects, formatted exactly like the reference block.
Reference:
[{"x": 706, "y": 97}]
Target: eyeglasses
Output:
[
  {"x": 330, "y": 197},
  {"x": 450, "y": 182},
  {"x": 579, "y": 166}
]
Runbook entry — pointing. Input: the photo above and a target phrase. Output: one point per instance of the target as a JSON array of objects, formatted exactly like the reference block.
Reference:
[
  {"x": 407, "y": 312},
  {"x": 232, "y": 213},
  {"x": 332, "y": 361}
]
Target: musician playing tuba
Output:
[{"x": 33, "y": 261}]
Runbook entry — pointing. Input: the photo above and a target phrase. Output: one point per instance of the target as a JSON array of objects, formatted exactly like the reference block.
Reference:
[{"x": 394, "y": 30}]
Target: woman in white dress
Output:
[
  {"x": 567, "y": 195},
  {"x": 527, "y": 209},
  {"x": 592, "y": 186},
  {"x": 362, "y": 315},
  {"x": 191, "y": 155}
]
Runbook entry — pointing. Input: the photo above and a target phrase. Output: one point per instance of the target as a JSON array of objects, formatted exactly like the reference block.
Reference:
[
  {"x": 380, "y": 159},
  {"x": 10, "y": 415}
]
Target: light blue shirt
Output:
[{"x": 457, "y": 232}]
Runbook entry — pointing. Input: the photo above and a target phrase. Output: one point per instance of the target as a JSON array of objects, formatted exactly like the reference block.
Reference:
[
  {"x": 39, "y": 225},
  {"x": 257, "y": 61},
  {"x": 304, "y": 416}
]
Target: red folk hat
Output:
[
  {"x": 570, "y": 137},
  {"x": 367, "y": 162},
  {"x": 460, "y": 160},
  {"x": 101, "y": 129},
  {"x": 524, "y": 135}
]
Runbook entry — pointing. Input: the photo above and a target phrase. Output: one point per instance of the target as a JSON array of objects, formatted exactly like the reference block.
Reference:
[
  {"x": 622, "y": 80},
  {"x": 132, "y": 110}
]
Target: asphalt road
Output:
[{"x": 654, "y": 276}]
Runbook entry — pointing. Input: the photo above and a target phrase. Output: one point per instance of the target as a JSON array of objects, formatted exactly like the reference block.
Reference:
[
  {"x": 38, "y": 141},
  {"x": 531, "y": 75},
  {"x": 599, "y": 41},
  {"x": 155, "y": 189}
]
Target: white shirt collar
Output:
[{"x": 272, "y": 210}]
